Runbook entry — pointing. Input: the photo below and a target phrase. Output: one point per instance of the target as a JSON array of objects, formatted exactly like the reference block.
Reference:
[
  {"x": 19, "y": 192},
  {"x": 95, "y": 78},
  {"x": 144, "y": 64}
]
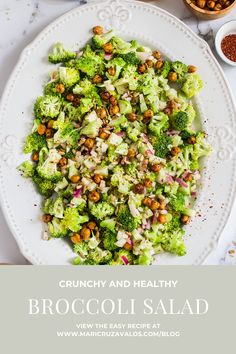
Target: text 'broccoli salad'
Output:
[{"x": 114, "y": 152}]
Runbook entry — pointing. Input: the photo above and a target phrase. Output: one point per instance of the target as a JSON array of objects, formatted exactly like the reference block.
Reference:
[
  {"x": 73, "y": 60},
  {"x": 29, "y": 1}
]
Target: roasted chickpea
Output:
[
  {"x": 76, "y": 101},
  {"x": 162, "y": 218},
  {"x": 156, "y": 54},
  {"x": 103, "y": 134},
  {"x": 189, "y": 178},
  {"x": 192, "y": 69},
  {"x": 108, "y": 48},
  {"x": 211, "y": 5},
  {"x": 105, "y": 95},
  {"x": 132, "y": 117},
  {"x": 76, "y": 238},
  {"x": 142, "y": 68},
  {"x": 98, "y": 178},
  {"x": 127, "y": 246},
  {"x": 49, "y": 133},
  {"x": 94, "y": 196},
  {"x": 156, "y": 168},
  {"x": 47, "y": 218},
  {"x": 147, "y": 183},
  {"x": 148, "y": 114},
  {"x": 162, "y": 205},
  {"x": 139, "y": 188},
  {"x": 114, "y": 110},
  {"x": 149, "y": 63},
  {"x": 41, "y": 129},
  {"x": 131, "y": 153},
  {"x": 147, "y": 202},
  {"x": 35, "y": 156},
  {"x": 201, "y": 3},
  {"x": 89, "y": 143},
  {"x": 218, "y": 7},
  {"x": 168, "y": 111},
  {"x": 91, "y": 225},
  {"x": 192, "y": 140},
  {"x": 63, "y": 161},
  {"x": 50, "y": 124},
  {"x": 113, "y": 101},
  {"x": 185, "y": 219},
  {"x": 85, "y": 233},
  {"x": 60, "y": 88},
  {"x": 111, "y": 71},
  {"x": 102, "y": 113},
  {"x": 172, "y": 76},
  {"x": 98, "y": 30},
  {"x": 175, "y": 150},
  {"x": 70, "y": 97},
  {"x": 97, "y": 79},
  {"x": 75, "y": 179},
  {"x": 154, "y": 205},
  {"x": 159, "y": 64}
]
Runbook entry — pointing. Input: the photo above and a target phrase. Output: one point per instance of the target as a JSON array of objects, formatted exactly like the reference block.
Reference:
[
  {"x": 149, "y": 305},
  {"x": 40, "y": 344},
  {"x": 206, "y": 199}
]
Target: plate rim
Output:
[{"x": 26, "y": 52}]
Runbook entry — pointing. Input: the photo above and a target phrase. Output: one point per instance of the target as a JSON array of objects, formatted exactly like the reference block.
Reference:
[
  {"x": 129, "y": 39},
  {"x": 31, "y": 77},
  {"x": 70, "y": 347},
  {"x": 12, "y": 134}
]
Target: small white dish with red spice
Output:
[{"x": 225, "y": 43}]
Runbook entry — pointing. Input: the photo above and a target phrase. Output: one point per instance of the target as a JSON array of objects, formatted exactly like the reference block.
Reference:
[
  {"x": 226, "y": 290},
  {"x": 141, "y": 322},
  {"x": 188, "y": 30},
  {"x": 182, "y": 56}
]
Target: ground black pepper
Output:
[{"x": 228, "y": 46}]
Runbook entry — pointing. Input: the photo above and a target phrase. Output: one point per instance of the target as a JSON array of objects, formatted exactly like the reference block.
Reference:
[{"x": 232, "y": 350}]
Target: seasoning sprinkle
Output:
[{"x": 228, "y": 46}]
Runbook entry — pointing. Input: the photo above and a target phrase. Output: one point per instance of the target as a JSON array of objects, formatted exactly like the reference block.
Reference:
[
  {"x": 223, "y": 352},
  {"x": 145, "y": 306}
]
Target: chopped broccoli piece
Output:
[
  {"x": 158, "y": 124},
  {"x": 165, "y": 68},
  {"x": 27, "y": 169},
  {"x": 145, "y": 258},
  {"x": 99, "y": 256},
  {"x": 34, "y": 142},
  {"x": 108, "y": 224},
  {"x": 118, "y": 64},
  {"x": 66, "y": 133},
  {"x": 47, "y": 168},
  {"x": 180, "y": 121},
  {"x": 81, "y": 248},
  {"x": 89, "y": 63},
  {"x": 68, "y": 76},
  {"x": 102, "y": 210},
  {"x": 125, "y": 107},
  {"x": 124, "y": 257},
  {"x": 127, "y": 221},
  {"x": 47, "y": 107},
  {"x": 162, "y": 145},
  {"x": 100, "y": 39},
  {"x": 109, "y": 240},
  {"x": 192, "y": 85},
  {"x": 44, "y": 187},
  {"x": 130, "y": 58},
  {"x": 177, "y": 202},
  {"x": 57, "y": 229},
  {"x": 119, "y": 45},
  {"x": 59, "y": 54},
  {"x": 91, "y": 125},
  {"x": 181, "y": 69},
  {"x": 54, "y": 207},
  {"x": 73, "y": 220}
]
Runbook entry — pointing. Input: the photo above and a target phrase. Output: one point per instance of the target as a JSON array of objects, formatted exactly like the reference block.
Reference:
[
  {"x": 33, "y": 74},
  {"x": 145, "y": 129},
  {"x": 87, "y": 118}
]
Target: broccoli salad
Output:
[{"x": 114, "y": 151}]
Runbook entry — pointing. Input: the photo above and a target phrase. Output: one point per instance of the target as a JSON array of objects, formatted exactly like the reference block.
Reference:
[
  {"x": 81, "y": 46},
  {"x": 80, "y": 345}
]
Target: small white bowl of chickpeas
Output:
[{"x": 210, "y": 10}]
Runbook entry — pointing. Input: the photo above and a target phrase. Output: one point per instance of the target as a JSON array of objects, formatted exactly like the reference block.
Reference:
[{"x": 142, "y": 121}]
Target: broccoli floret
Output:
[
  {"x": 180, "y": 68},
  {"x": 66, "y": 193},
  {"x": 130, "y": 58},
  {"x": 99, "y": 256},
  {"x": 145, "y": 258},
  {"x": 119, "y": 45},
  {"x": 54, "y": 207},
  {"x": 47, "y": 168},
  {"x": 201, "y": 147},
  {"x": 34, "y": 142},
  {"x": 100, "y": 39},
  {"x": 50, "y": 89},
  {"x": 66, "y": 133},
  {"x": 44, "y": 187},
  {"x": 158, "y": 124},
  {"x": 47, "y": 107},
  {"x": 180, "y": 121},
  {"x": 102, "y": 210},
  {"x": 87, "y": 89},
  {"x": 81, "y": 248},
  {"x": 57, "y": 229},
  {"x": 59, "y": 54},
  {"x": 89, "y": 63},
  {"x": 161, "y": 145},
  {"x": 109, "y": 240},
  {"x": 124, "y": 257},
  {"x": 126, "y": 220},
  {"x": 165, "y": 69},
  {"x": 192, "y": 85},
  {"x": 27, "y": 169},
  {"x": 108, "y": 224},
  {"x": 91, "y": 125},
  {"x": 177, "y": 202},
  {"x": 73, "y": 220},
  {"x": 125, "y": 107},
  {"x": 68, "y": 76}
]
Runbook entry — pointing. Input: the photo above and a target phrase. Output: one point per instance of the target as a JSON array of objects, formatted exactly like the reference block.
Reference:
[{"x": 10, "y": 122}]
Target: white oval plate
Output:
[{"x": 158, "y": 29}]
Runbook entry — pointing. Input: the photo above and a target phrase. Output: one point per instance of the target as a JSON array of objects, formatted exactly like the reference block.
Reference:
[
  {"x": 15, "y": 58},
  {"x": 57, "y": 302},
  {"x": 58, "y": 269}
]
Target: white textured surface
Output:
[{"x": 22, "y": 20}]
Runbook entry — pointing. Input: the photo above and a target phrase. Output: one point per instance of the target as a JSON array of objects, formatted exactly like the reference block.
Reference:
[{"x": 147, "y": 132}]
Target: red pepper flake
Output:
[{"x": 228, "y": 46}]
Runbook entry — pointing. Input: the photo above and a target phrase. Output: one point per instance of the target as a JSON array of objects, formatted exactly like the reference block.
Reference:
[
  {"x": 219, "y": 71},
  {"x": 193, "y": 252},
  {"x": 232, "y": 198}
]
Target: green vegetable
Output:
[
  {"x": 130, "y": 58},
  {"x": 44, "y": 187},
  {"x": 68, "y": 76},
  {"x": 100, "y": 39},
  {"x": 59, "y": 54},
  {"x": 127, "y": 221},
  {"x": 47, "y": 107},
  {"x": 47, "y": 167},
  {"x": 109, "y": 240},
  {"x": 27, "y": 169},
  {"x": 192, "y": 85},
  {"x": 161, "y": 145},
  {"x": 34, "y": 142},
  {"x": 102, "y": 210}
]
